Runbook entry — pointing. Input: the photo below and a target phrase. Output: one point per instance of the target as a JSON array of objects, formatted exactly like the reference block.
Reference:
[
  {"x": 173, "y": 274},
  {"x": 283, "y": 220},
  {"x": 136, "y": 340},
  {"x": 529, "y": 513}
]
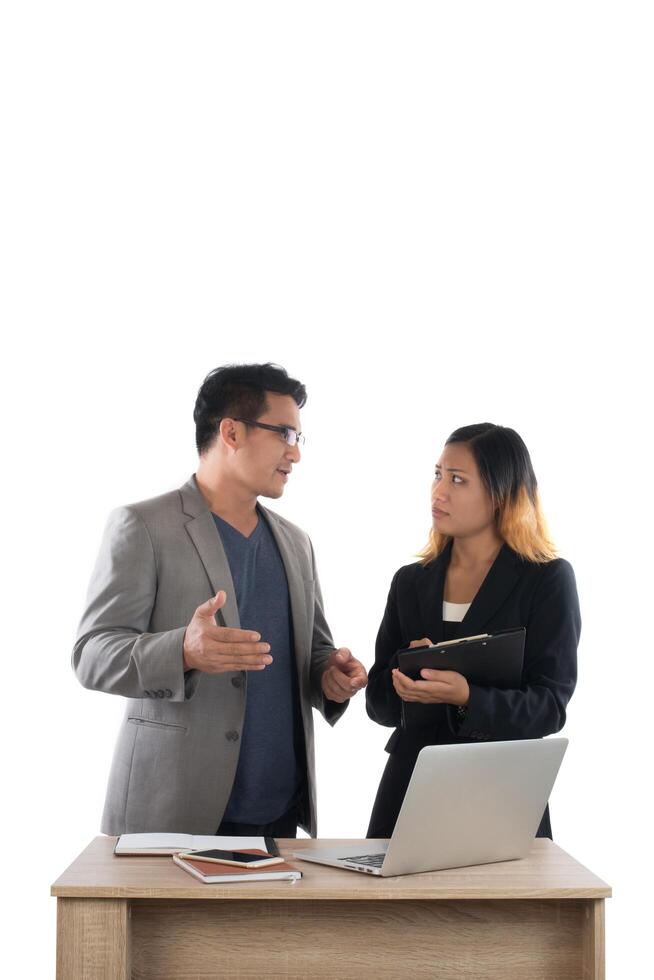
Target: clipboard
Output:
[{"x": 489, "y": 660}]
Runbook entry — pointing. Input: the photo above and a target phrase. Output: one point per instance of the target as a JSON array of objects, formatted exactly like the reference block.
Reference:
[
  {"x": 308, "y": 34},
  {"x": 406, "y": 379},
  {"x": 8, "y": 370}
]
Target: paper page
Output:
[
  {"x": 145, "y": 841},
  {"x": 203, "y": 843},
  {"x": 187, "y": 842}
]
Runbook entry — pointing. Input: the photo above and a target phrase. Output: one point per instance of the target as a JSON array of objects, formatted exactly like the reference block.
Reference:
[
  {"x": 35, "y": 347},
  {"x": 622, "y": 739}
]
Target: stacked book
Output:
[{"x": 213, "y": 872}]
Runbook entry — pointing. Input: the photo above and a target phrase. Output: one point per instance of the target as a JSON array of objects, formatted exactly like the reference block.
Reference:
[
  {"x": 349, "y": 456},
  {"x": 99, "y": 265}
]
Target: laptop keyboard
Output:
[{"x": 372, "y": 860}]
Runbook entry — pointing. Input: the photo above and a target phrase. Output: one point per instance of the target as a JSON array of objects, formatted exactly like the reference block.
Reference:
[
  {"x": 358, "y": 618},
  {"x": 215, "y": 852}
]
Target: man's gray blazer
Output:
[{"x": 178, "y": 747}]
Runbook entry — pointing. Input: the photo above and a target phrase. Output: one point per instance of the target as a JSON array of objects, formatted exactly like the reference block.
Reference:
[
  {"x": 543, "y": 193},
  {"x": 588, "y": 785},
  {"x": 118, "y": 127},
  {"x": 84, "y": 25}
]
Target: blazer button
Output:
[
  {"x": 231, "y": 736},
  {"x": 237, "y": 681},
  {"x": 168, "y": 693},
  {"x": 160, "y": 694}
]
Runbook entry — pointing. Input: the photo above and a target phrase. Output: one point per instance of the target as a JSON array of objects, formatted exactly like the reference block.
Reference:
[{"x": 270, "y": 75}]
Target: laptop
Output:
[{"x": 466, "y": 804}]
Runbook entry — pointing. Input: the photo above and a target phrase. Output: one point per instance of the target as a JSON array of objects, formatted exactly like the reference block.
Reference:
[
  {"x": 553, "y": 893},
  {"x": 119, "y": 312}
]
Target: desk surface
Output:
[{"x": 547, "y": 872}]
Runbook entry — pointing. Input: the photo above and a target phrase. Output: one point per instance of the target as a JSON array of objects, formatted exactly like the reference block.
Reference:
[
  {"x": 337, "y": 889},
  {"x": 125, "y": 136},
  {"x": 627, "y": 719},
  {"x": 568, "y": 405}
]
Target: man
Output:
[{"x": 205, "y": 611}]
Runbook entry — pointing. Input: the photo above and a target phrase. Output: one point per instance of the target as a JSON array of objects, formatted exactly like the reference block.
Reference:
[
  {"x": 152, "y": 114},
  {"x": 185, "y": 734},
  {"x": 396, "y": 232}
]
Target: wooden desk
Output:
[{"x": 129, "y": 917}]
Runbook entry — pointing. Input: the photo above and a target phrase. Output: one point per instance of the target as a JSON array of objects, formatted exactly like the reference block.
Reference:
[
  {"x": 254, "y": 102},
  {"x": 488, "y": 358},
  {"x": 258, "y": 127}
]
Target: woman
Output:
[{"x": 489, "y": 565}]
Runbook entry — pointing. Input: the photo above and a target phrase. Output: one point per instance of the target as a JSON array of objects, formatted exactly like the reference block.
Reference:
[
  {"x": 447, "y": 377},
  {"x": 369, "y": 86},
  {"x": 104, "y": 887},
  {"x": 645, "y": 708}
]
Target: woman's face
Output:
[{"x": 461, "y": 505}]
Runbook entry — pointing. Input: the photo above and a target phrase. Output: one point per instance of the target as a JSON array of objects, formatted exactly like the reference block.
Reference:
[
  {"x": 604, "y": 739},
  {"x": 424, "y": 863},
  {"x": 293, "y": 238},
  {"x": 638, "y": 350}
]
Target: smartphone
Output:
[{"x": 240, "y": 859}]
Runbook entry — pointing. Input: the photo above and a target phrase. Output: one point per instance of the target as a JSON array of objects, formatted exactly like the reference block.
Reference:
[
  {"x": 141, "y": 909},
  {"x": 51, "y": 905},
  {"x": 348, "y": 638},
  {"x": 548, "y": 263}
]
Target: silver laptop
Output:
[{"x": 466, "y": 804}]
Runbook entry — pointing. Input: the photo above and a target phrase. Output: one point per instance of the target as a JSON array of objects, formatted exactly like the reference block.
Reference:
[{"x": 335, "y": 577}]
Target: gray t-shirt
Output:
[{"x": 267, "y": 775}]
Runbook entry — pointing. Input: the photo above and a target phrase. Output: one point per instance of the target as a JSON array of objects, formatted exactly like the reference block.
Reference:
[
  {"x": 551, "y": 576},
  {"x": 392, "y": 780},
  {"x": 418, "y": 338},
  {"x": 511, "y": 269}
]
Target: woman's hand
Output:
[{"x": 436, "y": 686}]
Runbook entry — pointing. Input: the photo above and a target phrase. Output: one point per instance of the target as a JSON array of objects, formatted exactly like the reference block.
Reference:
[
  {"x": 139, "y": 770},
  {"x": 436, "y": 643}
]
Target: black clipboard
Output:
[{"x": 493, "y": 660}]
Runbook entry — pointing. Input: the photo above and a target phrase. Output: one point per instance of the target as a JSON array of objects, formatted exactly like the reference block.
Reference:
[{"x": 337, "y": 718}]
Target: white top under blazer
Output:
[{"x": 453, "y": 612}]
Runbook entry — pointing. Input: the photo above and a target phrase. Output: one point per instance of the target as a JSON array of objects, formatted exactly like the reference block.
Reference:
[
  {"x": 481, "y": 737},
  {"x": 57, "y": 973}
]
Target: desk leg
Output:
[
  {"x": 593, "y": 940},
  {"x": 93, "y": 939}
]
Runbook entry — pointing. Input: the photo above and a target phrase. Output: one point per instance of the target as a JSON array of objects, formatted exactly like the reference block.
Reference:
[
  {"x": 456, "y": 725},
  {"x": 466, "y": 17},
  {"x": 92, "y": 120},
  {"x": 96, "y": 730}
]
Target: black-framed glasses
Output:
[{"x": 292, "y": 437}]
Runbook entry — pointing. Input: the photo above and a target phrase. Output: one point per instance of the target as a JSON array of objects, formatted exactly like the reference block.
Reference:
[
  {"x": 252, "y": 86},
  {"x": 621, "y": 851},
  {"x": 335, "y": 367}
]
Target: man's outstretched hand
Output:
[
  {"x": 215, "y": 649},
  {"x": 343, "y": 677}
]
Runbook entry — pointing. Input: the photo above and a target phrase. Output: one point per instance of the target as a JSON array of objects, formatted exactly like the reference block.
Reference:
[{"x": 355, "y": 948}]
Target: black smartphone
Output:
[{"x": 241, "y": 859}]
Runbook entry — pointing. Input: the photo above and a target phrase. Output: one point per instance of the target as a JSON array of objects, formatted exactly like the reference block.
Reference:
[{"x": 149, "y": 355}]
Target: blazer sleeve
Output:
[
  {"x": 382, "y": 703},
  {"x": 114, "y": 651},
  {"x": 550, "y": 669},
  {"x": 322, "y": 646}
]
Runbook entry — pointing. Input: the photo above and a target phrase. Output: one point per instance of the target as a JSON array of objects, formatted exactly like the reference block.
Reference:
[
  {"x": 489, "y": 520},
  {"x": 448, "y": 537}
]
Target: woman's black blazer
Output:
[{"x": 539, "y": 596}]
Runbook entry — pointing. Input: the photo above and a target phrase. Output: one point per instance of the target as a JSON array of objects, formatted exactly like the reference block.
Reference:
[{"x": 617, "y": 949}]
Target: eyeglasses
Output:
[{"x": 292, "y": 437}]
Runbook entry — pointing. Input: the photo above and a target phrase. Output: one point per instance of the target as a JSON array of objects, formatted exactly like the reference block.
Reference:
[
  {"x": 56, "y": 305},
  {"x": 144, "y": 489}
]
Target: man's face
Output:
[{"x": 264, "y": 459}]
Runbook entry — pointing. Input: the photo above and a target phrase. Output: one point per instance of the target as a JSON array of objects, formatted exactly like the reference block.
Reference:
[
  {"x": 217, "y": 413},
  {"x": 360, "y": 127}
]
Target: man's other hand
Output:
[
  {"x": 216, "y": 649},
  {"x": 343, "y": 676}
]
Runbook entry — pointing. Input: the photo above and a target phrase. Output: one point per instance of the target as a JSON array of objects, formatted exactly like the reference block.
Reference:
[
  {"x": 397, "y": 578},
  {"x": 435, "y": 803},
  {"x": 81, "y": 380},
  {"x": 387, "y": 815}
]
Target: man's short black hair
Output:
[{"x": 239, "y": 390}]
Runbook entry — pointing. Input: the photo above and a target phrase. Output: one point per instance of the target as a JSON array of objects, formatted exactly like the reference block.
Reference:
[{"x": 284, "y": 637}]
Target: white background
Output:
[{"x": 432, "y": 214}]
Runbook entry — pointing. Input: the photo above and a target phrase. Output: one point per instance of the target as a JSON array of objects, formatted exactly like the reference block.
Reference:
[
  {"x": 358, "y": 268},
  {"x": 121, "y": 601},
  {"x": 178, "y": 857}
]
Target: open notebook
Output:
[{"x": 141, "y": 844}]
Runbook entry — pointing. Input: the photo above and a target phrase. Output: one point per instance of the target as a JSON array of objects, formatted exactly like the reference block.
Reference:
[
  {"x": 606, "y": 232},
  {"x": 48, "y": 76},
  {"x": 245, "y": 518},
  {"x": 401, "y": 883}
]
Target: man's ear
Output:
[{"x": 228, "y": 433}]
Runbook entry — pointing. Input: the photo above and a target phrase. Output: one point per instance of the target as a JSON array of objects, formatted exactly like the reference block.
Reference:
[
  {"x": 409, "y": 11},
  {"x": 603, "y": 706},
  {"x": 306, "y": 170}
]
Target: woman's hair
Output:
[{"x": 507, "y": 474}]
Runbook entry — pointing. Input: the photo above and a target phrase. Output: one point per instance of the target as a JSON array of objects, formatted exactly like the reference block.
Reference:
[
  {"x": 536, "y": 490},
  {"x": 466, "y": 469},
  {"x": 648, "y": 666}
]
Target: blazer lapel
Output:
[
  {"x": 295, "y": 579},
  {"x": 499, "y": 583},
  {"x": 204, "y": 534},
  {"x": 430, "y": 595}
]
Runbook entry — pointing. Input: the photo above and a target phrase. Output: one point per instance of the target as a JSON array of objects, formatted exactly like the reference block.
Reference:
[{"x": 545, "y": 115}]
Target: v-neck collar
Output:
[{"x": 240, "y": 536}]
